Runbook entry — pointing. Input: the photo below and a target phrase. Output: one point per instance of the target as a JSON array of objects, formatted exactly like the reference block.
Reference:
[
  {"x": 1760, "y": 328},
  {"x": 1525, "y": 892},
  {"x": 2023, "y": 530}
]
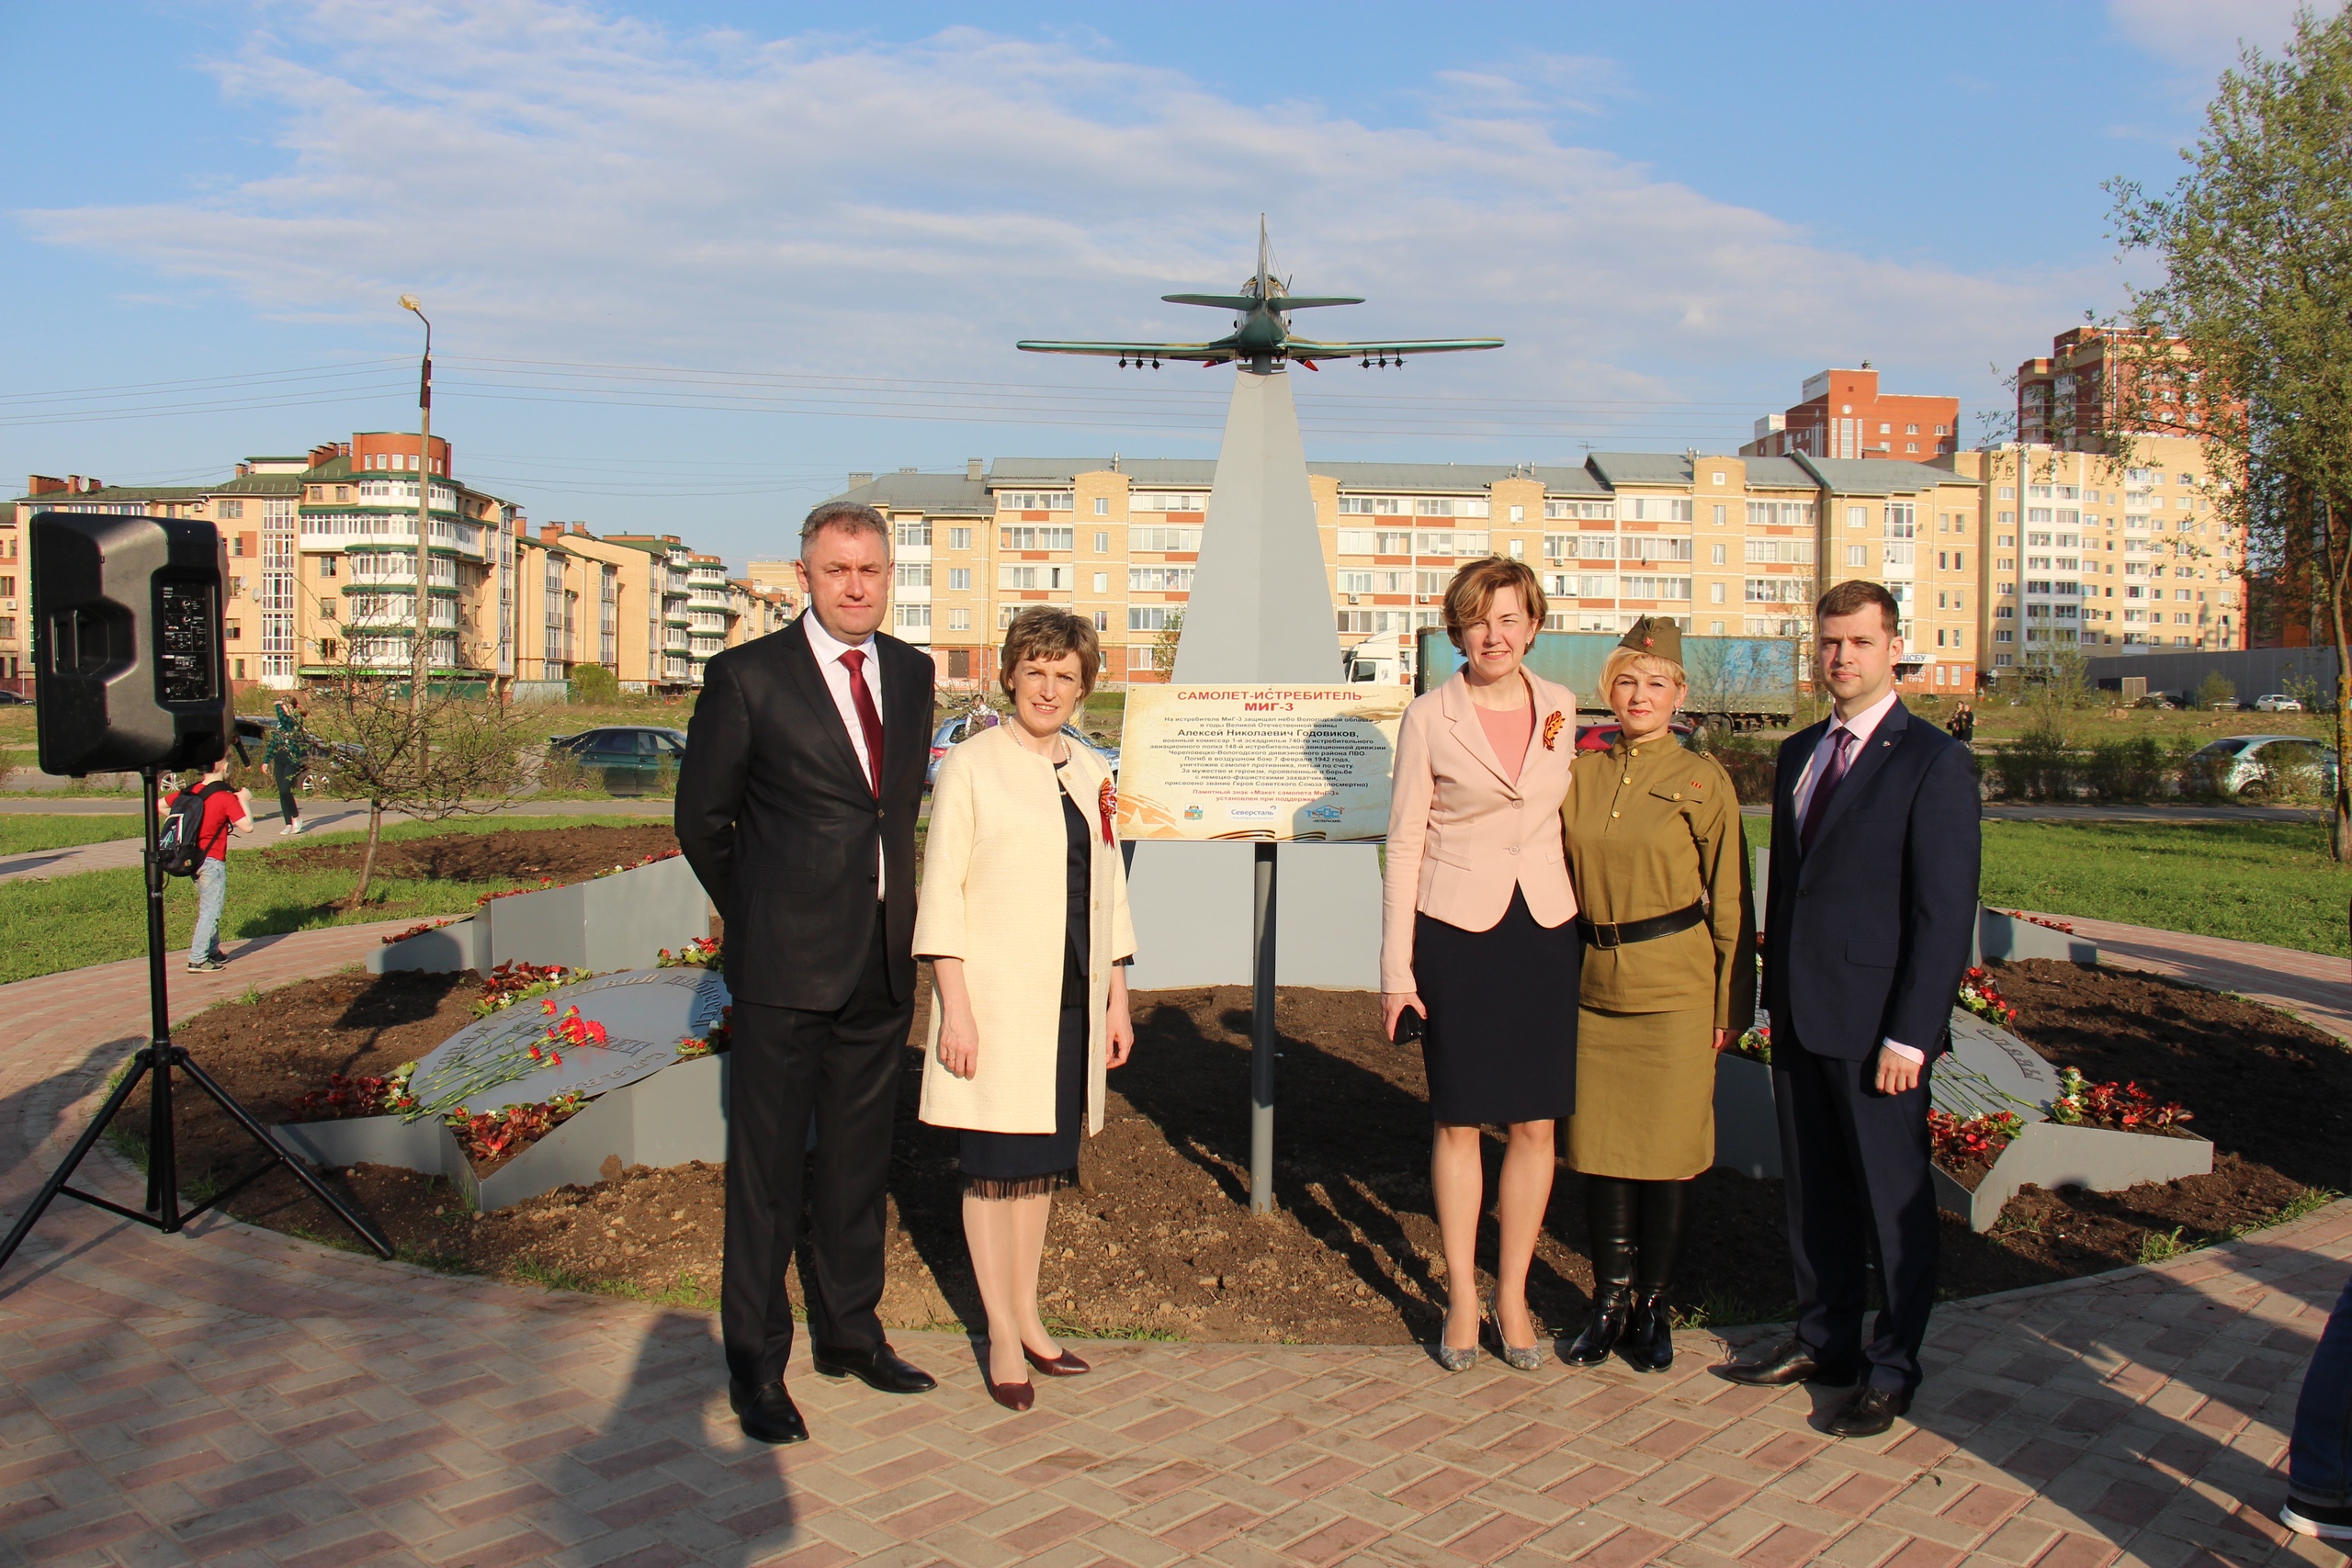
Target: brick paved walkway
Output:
[{"x": 242, "y": 1397}]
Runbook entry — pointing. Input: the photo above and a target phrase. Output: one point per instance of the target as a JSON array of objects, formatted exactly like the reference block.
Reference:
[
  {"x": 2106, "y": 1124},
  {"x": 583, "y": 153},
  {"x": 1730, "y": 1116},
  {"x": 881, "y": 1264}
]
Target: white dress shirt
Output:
[
  {"x": 1863, "y": 726},
  {"x": 828, "y": 649}
]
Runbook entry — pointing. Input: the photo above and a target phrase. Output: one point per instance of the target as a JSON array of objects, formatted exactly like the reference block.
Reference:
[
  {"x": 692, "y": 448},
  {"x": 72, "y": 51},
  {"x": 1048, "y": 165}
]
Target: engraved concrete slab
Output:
[{"x": 646, "y": 1014}]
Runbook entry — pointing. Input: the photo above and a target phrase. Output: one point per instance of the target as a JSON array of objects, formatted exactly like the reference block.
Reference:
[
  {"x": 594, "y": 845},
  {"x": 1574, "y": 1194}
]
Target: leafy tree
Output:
[
  {"x": 1163, "y": 646},
  {"x": 596, "y": 684},
  {"x": 450, "y": 755},
  {"x": 2256, "y": 244},
  {"x": 2215, "y": 690}
]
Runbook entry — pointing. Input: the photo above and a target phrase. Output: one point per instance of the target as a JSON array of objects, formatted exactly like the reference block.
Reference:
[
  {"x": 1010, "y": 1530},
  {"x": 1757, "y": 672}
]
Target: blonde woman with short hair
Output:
[
  {"x": 1670, "y": 979},
  {"x": 1025, "y": 917},
  {"x": 1477, "y": 935}
]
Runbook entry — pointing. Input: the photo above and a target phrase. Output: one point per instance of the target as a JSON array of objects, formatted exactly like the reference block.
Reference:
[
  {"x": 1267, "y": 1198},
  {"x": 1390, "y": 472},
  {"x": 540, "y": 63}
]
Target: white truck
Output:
[{"x": 1386, "y": 659}]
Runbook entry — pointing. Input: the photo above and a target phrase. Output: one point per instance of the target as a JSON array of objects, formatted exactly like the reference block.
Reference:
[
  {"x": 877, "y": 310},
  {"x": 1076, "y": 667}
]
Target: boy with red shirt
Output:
[{"x": 226, "y": 811}]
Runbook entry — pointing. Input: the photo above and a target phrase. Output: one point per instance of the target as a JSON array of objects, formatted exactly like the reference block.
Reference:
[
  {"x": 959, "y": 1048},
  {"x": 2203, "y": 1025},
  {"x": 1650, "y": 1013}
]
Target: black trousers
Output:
[
  {"x": 1855, "y": 1164},
  {"x": 786, "y": 1065}
]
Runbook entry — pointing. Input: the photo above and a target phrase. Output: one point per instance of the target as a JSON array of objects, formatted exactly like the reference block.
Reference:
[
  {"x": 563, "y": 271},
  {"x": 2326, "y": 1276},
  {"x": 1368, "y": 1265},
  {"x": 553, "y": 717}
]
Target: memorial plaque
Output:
[
  {"x": 646, "y": 1014},
  {"x": 1300, "y": 763},
  {"x": 1991, "y": 1070}
]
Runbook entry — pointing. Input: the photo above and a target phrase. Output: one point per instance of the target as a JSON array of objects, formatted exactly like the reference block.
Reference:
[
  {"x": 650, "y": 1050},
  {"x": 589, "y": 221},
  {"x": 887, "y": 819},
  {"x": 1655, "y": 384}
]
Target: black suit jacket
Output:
[
  {"x": 780, "y": 822},
  {"x": 1867, "y": 937}
]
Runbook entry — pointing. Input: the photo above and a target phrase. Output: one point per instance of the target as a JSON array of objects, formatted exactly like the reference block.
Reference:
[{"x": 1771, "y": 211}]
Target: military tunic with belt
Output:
[{"x": 1652, "y": 830}]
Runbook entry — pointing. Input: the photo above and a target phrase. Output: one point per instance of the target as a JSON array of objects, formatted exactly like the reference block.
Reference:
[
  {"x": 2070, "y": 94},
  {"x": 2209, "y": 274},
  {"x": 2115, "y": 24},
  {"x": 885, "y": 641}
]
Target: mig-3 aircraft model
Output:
[{"x": 1262, "y": 333}]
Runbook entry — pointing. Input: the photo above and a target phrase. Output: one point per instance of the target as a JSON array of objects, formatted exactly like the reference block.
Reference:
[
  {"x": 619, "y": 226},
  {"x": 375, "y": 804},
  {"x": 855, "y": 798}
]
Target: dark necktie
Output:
[
  {"x": 867, "y": 719},
  {"x": 1841, "y": 756}
]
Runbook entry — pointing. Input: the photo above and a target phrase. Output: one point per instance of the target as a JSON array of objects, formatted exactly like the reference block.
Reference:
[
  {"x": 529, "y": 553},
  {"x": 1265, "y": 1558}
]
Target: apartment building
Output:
[
  {"x": 1843, "y": 416},
  {"x": 322, "y": 574},
  {"x": 2087, "y": 552},
  {"x": 1725, "y": 546},
  {"x": 2093, "y": 380}
]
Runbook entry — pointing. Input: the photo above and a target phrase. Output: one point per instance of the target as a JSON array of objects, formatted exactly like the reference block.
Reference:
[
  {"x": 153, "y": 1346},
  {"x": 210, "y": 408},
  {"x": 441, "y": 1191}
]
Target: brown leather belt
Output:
[{"x": 1621, "y": 934}]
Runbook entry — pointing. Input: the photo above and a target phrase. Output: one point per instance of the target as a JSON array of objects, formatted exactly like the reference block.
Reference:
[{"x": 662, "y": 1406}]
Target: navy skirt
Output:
[
  {"x": 1022, "y": 1165},
  {"x": 1501, "y": 1042}
]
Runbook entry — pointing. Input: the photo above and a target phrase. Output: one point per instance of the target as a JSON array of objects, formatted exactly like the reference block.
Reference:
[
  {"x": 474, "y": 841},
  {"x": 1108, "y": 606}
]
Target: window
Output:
[
  {"x": 1715, "y": 554},
  {"x": 1655, "y": 588},
  {"x": 1369, "y": 506},
  {"x": 1596, "y": 509},
  {"x": 1856, "y": 517},
  {"x": 1352, "y": 581},
  {"x": 1159, "y": 579},
  {"x": 911, "y": 618},
  {"x": 1101, "y": 508},
  {"x": 1102, "y": 582},
  {"x": 1150, "y": 617},
  {"x": 1036, "y": 539},
  {"x": 1160, "y": 503},
  {"x": 1780, "y": 514},
  {"x": 959, "y": 538},
  {"x": 959, "y": 620},
  {"x": 1799, "y": 551},
  {"x": 1858, "y": 555},
  {"x": 236, "y": 544},
  {"x": 1034, "y": 578},
  {"x": 1661, "y": 509},
  {"x": 1559, "y": 546},
  {"x": 1460, "y": 543},
  {"x": 1722, "y": 512},
  {"x": 959, "y": 577},
  {"x": 1102, "y": 543},
  {"x": 914, "y": 531},
  {"x": 1652, "y": 547},
  {"x": 1374, "y": 542},
  {"x": 1885, "y": 429},
  {"x": 231, "y": 509},
  {"x": 1716, "y": 595},
  {"x": 1780, "y": 590},
  {"x": 1177, "y": 541},
  {"x": 229, "y": 629},
  {"x": 1036, "y": 500},
  {"x": 1519, "y": 515},
  {"x": 1596, "y": 588},
  {"x": 913, "y": 574}
]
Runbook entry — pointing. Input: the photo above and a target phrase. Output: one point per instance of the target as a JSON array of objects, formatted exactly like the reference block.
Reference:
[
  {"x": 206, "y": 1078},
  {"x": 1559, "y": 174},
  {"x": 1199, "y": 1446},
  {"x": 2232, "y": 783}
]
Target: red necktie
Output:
[
  {"x": 867, "y": 719},
  {"x": 1841, "y": 755}
]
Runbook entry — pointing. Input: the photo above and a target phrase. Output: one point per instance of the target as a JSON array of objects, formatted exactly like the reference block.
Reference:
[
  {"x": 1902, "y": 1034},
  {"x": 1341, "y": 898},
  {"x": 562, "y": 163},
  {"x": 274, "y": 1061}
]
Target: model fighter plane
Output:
[{"x": 1261, "y": 332}]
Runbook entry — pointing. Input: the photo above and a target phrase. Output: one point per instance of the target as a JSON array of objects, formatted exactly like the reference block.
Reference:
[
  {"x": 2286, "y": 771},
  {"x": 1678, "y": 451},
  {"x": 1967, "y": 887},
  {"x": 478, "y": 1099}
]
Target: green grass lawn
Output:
[
  {"x": 100, "y": 915},
  {"x": 2266, "y": 882},
  {"x": 22, "y": 834}
]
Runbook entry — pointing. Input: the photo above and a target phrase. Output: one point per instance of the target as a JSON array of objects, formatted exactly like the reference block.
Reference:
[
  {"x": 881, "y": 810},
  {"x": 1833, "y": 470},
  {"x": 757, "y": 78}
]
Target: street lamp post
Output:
[{"x": 419, "y": 650}]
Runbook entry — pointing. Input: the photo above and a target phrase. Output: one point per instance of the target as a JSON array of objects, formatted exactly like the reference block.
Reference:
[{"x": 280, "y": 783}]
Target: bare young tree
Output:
[
  {"x": 2249, "y": 334},
  {"x": 449, "y": 755}
]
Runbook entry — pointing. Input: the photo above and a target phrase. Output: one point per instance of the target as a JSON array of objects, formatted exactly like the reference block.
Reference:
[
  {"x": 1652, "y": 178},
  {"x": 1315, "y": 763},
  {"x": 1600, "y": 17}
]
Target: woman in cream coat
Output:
[
  {"x": 1025, "y": 917},
  {"x": 1477, "y": 934}
]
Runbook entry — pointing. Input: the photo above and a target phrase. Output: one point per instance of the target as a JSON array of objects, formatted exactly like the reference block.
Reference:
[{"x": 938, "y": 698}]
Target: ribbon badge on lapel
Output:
[
  {"x": 1553, "y": 725},
  {"x": 1107, "y": 800}
]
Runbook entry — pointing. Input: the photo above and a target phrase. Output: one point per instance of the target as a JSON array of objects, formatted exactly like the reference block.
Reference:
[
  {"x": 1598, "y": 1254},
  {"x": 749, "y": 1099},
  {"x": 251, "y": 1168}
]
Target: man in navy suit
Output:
[{"x": 1875, "y": 849}]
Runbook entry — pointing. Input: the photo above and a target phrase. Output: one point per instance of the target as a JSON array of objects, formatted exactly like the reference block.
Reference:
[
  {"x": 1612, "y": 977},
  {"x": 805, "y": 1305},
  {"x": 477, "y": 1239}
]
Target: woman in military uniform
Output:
[{"x": 1656, "y": 857}]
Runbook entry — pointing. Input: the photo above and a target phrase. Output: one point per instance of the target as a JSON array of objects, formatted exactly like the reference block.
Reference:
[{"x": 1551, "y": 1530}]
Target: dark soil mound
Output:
[
  {"x": 1157, "y": 1238},
  {"x": 508, "y": 856}
]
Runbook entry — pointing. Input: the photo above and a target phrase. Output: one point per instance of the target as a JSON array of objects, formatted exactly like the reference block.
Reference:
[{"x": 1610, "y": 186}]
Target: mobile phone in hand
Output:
[{"x": 1410, "y": 1024}]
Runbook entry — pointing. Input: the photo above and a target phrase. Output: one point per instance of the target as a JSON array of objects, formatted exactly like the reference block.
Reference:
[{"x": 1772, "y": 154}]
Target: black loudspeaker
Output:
[{"x": 129, "y": 667}]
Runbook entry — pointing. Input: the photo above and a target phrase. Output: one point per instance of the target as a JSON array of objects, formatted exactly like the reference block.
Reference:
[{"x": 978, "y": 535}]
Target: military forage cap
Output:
[{"x": 1655, "y": 635}]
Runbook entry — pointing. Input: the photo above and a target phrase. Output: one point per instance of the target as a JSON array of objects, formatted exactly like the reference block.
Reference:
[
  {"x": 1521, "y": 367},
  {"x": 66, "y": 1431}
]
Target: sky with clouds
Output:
[{"x": 688, "y": 264}]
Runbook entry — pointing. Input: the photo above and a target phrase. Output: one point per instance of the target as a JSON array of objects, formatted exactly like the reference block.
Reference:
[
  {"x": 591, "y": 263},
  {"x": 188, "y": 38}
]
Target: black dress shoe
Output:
[
  {"x": 1648, "y": 1342},
  {"x": 1789, "y": 1362},
  {"x": 880, "y": 1368},
  {"x": 771, "y": 1417},
  {"x": 1612, "y": 1306},
  {"x": 1868, "y": 1414}
]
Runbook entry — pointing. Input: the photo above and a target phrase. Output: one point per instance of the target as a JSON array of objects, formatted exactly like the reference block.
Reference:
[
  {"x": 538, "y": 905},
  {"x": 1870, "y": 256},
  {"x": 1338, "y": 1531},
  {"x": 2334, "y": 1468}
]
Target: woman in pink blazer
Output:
[{"x": 1477, "y": 934}]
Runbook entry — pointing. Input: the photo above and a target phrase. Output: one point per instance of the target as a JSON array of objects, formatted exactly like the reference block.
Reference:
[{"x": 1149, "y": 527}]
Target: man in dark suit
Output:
[
  {"x": 1875, "y": 849},
  {"x": 796, "y": 806}
]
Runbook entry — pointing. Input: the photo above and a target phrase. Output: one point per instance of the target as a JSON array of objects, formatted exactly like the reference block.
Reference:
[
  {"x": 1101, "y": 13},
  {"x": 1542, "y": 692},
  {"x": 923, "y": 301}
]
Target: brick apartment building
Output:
[
  {"x": 322, "y": 574},
  {"x": 1844, "y": 416}
]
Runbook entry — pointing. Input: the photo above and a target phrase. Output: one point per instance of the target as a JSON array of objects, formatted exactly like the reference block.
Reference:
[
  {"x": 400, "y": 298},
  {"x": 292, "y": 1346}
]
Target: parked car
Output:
[
  {"x": 2276, "y": 702},
  {"x": 13, "y": 699},
  {"x": 629, "y": 755},
  {"x": 2258, "y": 767},
  {"x": 964, "y": 726},
  {"x": 1602, "y": 736}
]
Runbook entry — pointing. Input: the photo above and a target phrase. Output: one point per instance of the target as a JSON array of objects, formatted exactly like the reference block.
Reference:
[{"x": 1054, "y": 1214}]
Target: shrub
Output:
[
  {"x": 2134, "y": 769},
  {"x": 2215, "y": 690},
  {"x": 2036, "y": 765},
  {"x": 1750, "y": 763},
  {"x": 594, "y": 683}
]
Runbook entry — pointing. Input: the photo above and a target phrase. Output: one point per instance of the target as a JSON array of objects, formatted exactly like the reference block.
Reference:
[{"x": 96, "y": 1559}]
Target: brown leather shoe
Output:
[
  {"x": 1014, "y": 1397},
  {"x": 1789, "y": 1362},
  {"x": 1062, "y": 1366},
  {"x": 1868, "y": 1414}
]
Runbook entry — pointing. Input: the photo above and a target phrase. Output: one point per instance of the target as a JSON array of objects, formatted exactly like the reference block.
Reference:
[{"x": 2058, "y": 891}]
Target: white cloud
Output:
[
  {"x": 2205, "y": 35},
  {"x": 563, "y": 183}
]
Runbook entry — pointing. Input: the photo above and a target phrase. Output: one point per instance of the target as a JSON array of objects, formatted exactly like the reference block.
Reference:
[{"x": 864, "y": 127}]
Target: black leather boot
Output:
[
  {"x": 1648, "y": 1343},
  {"x": 1609, "y": 1209}
]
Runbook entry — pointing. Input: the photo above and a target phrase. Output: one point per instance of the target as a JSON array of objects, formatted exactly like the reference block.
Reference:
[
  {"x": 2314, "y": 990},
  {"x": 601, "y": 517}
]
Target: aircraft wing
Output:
[
  {"x": 1207, "y": 353},
  {"x": 1307, "y": 348},
  {"x": 1244, "y": 303}
]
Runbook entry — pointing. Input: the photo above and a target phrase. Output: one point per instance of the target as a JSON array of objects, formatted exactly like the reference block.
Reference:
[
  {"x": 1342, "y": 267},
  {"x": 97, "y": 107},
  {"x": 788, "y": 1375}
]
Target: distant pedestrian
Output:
[
  {"x": 287, "y": 748},
  {"x": 220, "y": 808}
]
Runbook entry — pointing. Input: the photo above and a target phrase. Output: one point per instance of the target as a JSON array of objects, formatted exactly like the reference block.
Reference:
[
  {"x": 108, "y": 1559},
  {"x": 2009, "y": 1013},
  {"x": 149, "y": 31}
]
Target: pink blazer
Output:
[{"x": 1461, "y": 835}]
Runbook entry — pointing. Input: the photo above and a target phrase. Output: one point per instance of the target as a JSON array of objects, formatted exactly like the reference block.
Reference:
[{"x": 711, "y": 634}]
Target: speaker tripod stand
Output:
[{"x": 157, "y": 1061}]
